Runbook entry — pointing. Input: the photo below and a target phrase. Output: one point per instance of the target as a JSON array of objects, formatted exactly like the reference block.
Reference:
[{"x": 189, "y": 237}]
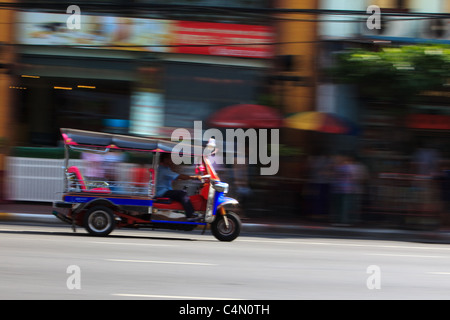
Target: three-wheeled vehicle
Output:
[{"x": 101, "y": 206}]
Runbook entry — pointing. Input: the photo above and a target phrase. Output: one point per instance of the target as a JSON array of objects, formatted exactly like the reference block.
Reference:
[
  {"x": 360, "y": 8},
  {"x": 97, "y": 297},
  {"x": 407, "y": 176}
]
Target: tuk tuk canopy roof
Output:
[{"x": 82, "y": 138}]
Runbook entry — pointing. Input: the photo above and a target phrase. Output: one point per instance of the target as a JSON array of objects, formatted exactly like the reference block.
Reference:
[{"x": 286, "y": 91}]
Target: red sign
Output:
[
  {"x": 222, "y": 39},
  {"x": 429, "y": 121}
]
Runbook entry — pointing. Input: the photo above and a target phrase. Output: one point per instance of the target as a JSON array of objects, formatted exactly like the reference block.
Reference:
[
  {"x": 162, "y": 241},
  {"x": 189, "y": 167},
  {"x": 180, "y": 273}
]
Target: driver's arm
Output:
[{"x": 186, "y": 177}]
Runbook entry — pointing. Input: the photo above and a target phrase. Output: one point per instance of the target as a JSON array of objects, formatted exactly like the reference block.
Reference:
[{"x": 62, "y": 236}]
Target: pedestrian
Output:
[
  {"x": 358, "y": 187},
  {"x": 426, "y": 160},
  {"x": 341, "y": 188},
  {"x": 111, "y": 165},
  {"x": 443, "y": 180},
  {"x": 93, "y": 164},
  {"x": 319, "y": 169},
  {"x": 141, "y": 179}
]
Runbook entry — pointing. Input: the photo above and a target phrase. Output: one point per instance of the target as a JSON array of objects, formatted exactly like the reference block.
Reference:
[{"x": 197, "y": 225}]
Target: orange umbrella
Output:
[{"x": 318, "y": 121}]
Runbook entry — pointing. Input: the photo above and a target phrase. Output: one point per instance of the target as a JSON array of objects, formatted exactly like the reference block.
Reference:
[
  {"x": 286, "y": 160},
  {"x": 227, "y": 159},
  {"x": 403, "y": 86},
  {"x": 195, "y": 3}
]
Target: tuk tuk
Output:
[{"x": 101, "y": 206}]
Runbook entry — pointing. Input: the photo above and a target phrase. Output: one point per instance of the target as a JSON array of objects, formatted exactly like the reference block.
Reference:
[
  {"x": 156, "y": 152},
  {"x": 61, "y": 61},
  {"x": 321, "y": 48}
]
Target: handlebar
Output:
[{"x": 206, "y": 176}]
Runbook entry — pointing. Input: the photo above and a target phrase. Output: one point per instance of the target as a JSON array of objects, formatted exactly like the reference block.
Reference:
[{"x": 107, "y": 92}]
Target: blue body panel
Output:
[
  {"x": 179, "y": 222},
  {"x": 219, "y": 199}
]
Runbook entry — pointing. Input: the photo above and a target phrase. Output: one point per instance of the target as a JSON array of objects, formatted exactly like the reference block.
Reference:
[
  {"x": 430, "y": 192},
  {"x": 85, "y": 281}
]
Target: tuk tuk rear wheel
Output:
[
  {"x": 99, "y": 221},
  {"x": 220, "y": 230}
]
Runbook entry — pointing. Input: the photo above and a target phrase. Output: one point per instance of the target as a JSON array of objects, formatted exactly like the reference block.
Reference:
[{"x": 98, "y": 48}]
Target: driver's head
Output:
[{"x": 165, "y": 159}]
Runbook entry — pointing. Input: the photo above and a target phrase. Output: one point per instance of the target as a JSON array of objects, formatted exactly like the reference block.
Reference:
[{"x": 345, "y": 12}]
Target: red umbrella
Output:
[{"x": 247, "y": 116}]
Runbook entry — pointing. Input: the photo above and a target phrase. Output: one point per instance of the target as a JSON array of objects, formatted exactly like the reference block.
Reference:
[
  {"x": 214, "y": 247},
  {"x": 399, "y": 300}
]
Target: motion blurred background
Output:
[{"x": 343, "y": 95}]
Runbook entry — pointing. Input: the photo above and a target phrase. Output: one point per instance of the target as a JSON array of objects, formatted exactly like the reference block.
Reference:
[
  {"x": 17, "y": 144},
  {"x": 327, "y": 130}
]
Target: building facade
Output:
[
  {"x": 297, "y": 53},
  {"x": 381, "y": 130},
  {"x": 133, "y": 73},
  {"x": 7, "y": 59}
]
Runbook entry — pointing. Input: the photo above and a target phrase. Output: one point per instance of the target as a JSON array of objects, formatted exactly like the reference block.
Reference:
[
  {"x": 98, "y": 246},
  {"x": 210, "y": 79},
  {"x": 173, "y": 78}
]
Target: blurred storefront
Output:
[
  {"x": 423, "y": 123},
  {"x": 132, "y": 75},
  {"x": 404, "y": 128},
  {"x": 394, "y": 137}
]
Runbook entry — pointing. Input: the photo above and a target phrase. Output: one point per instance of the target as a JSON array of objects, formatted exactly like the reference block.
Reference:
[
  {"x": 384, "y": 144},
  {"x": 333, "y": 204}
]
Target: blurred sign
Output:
[
  {"x": 220, "y": 39},
  {"x": 147, "y": 112},
  {"x": 133, "y": 34},
  {"x": 429, "y": 121}
]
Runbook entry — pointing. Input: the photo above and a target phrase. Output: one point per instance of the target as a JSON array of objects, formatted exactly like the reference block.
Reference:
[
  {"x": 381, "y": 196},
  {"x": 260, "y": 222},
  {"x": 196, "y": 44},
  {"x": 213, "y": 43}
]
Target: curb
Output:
[
  {"x": 29, "y": 218},
  {"x": 285, "y": 229},
  {"x": 352, "y": 232}
]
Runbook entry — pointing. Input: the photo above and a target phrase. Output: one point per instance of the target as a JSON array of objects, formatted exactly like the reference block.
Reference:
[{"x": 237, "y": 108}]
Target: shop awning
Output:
[{"x": 428, "y": 121}]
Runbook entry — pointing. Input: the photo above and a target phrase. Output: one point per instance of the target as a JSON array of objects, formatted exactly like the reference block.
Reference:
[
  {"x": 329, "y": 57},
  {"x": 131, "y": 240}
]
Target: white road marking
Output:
[
  {"x": 269, "y": 241},
  {"x": 164, "y": 262},
  {"x": 81, "y": 241},
  {"x": 345, "y": 244},
  {"x": 439, "y": 273},
  {"x": 404, "y": 255},
  {"x": 157, "y": 296},
  {"x": 134, "y": 244}
]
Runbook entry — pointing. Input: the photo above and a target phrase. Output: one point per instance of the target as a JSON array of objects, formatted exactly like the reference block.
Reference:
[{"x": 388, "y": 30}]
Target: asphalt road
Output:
[{"x": 52, "y": 262}]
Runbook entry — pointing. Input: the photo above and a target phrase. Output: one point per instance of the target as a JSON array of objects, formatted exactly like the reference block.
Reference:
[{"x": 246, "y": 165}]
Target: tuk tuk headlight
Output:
[{"x": 220, "y": 186}]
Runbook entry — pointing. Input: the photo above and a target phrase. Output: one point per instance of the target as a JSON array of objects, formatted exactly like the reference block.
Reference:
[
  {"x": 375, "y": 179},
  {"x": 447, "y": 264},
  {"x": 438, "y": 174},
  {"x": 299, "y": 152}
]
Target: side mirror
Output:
[{"x": 200, "y": 169}]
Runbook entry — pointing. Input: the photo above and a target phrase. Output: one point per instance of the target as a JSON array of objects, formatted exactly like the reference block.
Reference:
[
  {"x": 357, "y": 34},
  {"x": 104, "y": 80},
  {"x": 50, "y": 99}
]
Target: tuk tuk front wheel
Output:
[
  {"x": 99, "y": 221},
  {"x": 220, "y": 230}
]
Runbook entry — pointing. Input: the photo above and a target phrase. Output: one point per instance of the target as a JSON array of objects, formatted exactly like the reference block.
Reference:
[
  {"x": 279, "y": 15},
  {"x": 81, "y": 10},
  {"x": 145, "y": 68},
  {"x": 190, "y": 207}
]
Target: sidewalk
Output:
[{"x": 41, "y": 213}]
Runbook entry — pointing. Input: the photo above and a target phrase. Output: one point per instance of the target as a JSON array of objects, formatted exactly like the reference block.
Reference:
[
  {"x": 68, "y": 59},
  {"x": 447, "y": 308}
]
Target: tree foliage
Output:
[{"x": 395, "y": 74}]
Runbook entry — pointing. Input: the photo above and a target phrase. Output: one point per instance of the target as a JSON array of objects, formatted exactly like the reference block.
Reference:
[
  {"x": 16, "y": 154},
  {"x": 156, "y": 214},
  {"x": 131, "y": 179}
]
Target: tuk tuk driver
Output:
[{"x": 166, "y": 176}]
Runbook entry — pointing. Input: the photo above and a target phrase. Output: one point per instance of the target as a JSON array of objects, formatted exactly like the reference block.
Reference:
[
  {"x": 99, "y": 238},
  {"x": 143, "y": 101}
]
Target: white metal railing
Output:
[
  {"x": 36, "y": 179},
  {"x": 33, "y": 179}
]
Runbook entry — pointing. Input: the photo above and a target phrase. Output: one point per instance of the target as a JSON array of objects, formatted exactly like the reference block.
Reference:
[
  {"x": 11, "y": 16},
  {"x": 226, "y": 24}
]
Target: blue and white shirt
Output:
[{"x": 164, "y": 180}]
